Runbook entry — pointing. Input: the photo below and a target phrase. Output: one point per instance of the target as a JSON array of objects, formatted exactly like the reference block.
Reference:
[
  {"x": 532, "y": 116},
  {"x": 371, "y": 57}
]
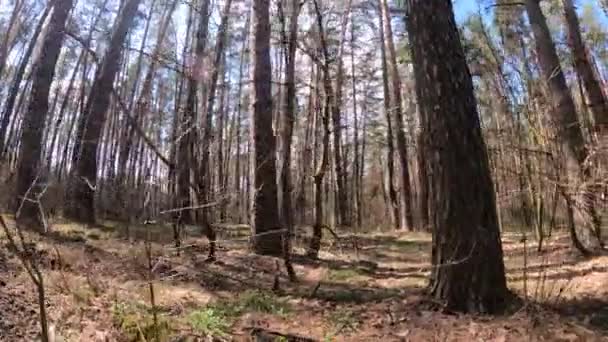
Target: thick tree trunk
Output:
[
  {"x": 80, "y": 204},
  {"x": 265, "y": 227},
  {"x": 468, "y": 272},
  {"x": 29, "y": 179},
  {"x": 404, "y": 178}
]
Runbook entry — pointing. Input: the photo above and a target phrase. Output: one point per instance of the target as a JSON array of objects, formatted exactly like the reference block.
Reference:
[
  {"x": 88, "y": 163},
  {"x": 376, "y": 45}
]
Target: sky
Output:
[{"x": 463, "y": 8}]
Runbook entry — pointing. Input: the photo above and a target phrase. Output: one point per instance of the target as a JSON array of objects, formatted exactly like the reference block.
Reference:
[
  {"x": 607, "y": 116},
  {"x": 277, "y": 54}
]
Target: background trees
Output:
[{"x": 302, "y": 118}]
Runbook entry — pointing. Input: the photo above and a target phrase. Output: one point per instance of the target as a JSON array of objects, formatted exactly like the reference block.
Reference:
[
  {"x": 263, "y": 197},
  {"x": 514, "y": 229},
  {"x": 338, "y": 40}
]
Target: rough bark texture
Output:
[
  {"x": 468, "y": 273},
  {"x": 266, "y": 237},
  {"x": 80, "y": 204},
  {"x": 29, "y": 181}
]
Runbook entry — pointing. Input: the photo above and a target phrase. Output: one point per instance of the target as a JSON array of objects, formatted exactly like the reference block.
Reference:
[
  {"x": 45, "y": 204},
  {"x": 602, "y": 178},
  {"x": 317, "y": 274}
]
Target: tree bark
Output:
[
  {"x": 567, "y": 126},
  {"x": 336, "y": 116},
  {"x": 17, "y": 78},
  {"x": 80, "y": 204},
  {"x": 266, "y": 237},
  {"x": 287, "y": 124},
  {"x": 406, "y": 196},
  {"x": 390, "y": 164},
  {"x": 596, "y": 99},
  {"x": 468, "y": 273},
  {"x": 6, "y": 40},
  {"x": 29, "y": 180}
]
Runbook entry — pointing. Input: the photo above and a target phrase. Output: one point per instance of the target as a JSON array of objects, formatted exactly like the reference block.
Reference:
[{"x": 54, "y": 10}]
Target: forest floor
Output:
[{"x": 363, "y": 288}]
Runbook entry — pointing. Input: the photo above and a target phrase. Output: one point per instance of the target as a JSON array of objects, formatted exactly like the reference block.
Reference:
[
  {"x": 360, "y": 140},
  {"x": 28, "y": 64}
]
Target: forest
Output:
[{"x": 303, "y": 170}]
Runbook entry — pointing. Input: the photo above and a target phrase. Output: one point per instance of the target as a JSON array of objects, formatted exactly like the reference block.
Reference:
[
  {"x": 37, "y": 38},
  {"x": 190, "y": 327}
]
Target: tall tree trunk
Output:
[
  {"x": 288, "y": 118},
  {"x": 596, "y": 99},
  {"x": 406, "y": 196},
  {"x": 237, "y": 172},
  {"x": 186, "y": 151},
  {"x": 390, "y": 164},
  {"x": 356, "y": 187},
  {"x": 341, "y": 195},
  {"x": 14, "y": 90},
  {"x": 29, "y": 179},
  {"x": 468, "y": 272},
  {"x": 205, "y": 175},
  {"x": 80, "y": 204},
  {"x": 315, "y": 243},
  {"x": 264, "y": 214},
  {"x": 6, "y": 39},
  {"x": 569, "y": 130},
  {"x": 144, "y": 94}
]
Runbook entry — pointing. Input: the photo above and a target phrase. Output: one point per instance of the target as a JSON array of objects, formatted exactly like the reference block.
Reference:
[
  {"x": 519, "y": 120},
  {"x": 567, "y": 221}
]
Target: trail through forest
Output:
[{"x": 363, "y": 288}]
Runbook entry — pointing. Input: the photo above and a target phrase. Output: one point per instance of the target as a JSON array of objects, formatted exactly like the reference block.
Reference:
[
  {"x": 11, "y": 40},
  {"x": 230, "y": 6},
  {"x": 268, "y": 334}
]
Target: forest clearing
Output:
[{"x": 364, "y": 288}]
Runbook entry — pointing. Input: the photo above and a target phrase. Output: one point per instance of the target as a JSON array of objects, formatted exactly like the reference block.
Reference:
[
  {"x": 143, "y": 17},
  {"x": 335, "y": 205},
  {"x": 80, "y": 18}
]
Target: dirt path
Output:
[{"x": 362, "y": 289}]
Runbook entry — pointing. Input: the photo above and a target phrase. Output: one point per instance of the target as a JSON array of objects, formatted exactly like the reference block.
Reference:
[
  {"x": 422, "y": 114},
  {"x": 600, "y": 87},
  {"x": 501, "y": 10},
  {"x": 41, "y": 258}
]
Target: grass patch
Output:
[
  {"x": 264, "y": 302},
  {"x": 136, "y": 322},
  {"x": 344, "y": 275},
  {"x": 344, "y": 319},
  {"x": 210, "y": 322},
  {"x": 69, "y": 235},
  {"x": 216, "y": 319},
  {"x": 341, "y": 320}
]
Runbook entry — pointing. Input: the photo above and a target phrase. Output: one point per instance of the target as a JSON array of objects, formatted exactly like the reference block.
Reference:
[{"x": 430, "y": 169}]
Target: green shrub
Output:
[
  {"x": 137, "y": 323},
  {"x": 210, "y": 322}
]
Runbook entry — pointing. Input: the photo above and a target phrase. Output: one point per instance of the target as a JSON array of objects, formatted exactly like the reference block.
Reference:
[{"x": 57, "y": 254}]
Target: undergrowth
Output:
[
  {"x": 216, "y": 319},
  {"x": 136, "y": 323}
]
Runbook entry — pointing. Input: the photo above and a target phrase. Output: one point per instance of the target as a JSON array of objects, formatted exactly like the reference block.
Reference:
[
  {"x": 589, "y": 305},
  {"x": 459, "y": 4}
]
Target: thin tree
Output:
[
  {"x": 468, "y": 272},
  {"x": 390, "y": 142},
  {"x": 315, "y": 242},
  {"x": 288, "y": 118},
  {"x": 404, "y": 178}
]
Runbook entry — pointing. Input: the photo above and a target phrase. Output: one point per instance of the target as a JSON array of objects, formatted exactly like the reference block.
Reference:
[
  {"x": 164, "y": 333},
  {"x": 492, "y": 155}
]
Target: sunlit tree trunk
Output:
[{"x": 468, "y": 273}]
